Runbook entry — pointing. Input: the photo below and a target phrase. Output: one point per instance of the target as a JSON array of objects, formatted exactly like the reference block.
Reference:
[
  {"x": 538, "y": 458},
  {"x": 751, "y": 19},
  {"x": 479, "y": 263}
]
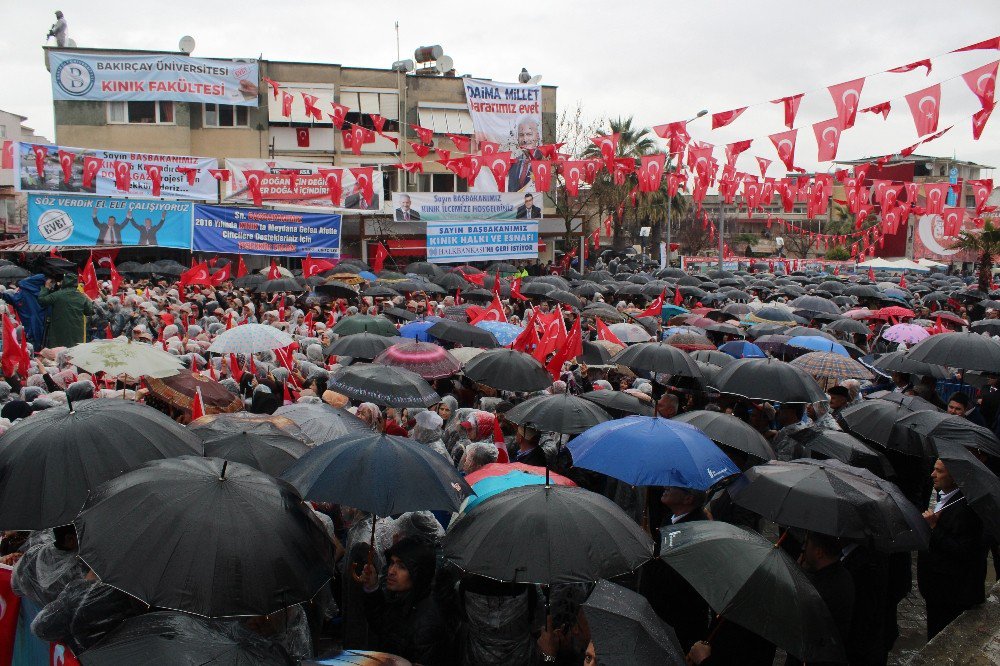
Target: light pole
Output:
[
  {"x": 722, "y": 229},
  {"x": 670, "y": 199}
]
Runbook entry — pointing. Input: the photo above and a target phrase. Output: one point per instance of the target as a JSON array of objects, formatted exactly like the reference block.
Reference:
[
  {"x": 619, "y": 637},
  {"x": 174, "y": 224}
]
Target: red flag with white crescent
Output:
[
  {"x": 155, "y": 173},
  {"x": 364, "y": 182},
  {"x": 655, "y": 308},
  {"x": 302, "y": 137},
  {"x": 827, "y": 138},
  {"x": 286, "y": 103},
  {"x": 192, "y": 174},
  {"x": 7, "y": 157},
  {"x": 462, "y": 143},
  {"x": 425, "y": 133},
  {"x": 791, "y": 104},
  {"x": 487, "y": 148},
  {"x": 40, "y": 154},
  {"x": 254, "y": 181},
  {"x": 493, "y": 313},
  {"x": 979, "y": 121},
  {"x": 846, "y": 97},
  {"x": 925, "y": 105},
  {"x": 784, "y": 143},
  {"x": 723, "y": 118},
  {"x": 604, "y": 333},
  {"x": 499, "y": 166},
  {"x": 197, "y": 405},
  {"x": 66, "y": 160},
  {"x": 311, "y": 109},
  {"x": 88, "y": 278},
  {"x": 221, "y": 175},
  {"x": 608, "y": 145},
  {"x": 339, "y": 114},
  {"x": 982, "y": 81},
  {"x": 334, "y": 183},
  {"x": 541, "y": 171}
]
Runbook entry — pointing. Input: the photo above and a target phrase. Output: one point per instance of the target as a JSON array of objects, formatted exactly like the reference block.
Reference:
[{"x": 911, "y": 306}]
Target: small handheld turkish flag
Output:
[
  {"x": 655, "y": 308},
  {"x": 273, "y": 273},
  {"x": 88, "y": 278},
  {"x": 378, "y": 261},
  {"x": 197, "y": 405},
  {"x": 302, "y": 137},
  {"x": 241, "y": 268},
  {"x": 66, "y": 160}
]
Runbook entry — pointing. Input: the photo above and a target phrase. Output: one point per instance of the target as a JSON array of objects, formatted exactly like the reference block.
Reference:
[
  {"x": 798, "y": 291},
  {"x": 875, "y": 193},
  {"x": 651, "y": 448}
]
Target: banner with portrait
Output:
[
  {"x": 460, "y": 242},
  {"x": 509, "y": 115},
  {"x": 230, "y": 230},
  {"x": 435, "y": 206},
  {"x": 79, "y": 221},
  {"x": 310, "y": 187}
]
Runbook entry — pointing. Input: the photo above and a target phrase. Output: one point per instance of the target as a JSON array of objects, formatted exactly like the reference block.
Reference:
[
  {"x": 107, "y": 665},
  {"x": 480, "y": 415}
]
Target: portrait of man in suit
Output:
[
  {"x": 147, "y": 230},
  {"x": 110, "y": 232},
  {"x": 405, "y": 213},
  {"x": 528, "y": 210},
  {"x": 529, "y": 136}
]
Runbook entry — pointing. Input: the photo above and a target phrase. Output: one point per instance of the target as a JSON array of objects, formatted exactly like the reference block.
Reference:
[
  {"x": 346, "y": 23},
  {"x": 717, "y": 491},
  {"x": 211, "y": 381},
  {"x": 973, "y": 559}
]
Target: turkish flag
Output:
[
  {"x": 10, "y": 605},
  {"x": 572, "y": 172},
  {"x": 419, "y": 149},
  {"x": 221, "y": 275},
  {"x": 235, "y": 371},
  {"x": 462, "y": 143},
  {"x": 302, "y": 137},
  {"x": 197, "y": 405},
  {"x": 378, "y": 122},
  {"x": 936, "y": 194},
  {"x": 339, "y": 114},
  {"x": 953, "y": 218},
  {"x": 241, "y": 268},
  {"x": 528, "y": 339},
  {"x": 221, "y": 175},
  {"x": 364, "y": 182},
  {"x": 311, "y": 109},
  {"x": 651, "y": 172},
  {"x": 541, "y": 171},
  {"x": 827, "y": 138},
  {"x": 608, "y": 145},
  {"x": 725, "y": 117},
  {"x": 979, "y": 122},
  {"x": 499, "y": 166},
  {"x": 493, "y": 313},
  {"x": 784, "y": 143},
  {"x": 570, "y": 348},
  {"x": 884, "y": 108},
  {"x": 378, "y": 261},
  {"x": 676, "y": 135},
  {"x": 982, "y": 81},
  {"x": 426, "y": 135},
  {"x": 66, "y": 160},
  {"x": 273, "y": 273},
  {"x": 791, "y": 104},
  {"x": 487, "y": 148},
  {"x": 655, "y": 308},
  {"x": 40, "y": 153},
  {"x": 925, "y": 105},
  {"x": 254, "y": 180},
  {"x": 985, "y": 45},
  {"x": 197, "y": 274},
  {"x": 88, "y": 277},
  {"x": 155, "y": 173},
  {"x": 115, "y": 278},
  {"x": 981, "y": 189},
  {"x": 274, "y": 86},
  {"x": 515, "y": 289},
  {"x": 912, "y": 66},
  {"x": 10, "y": 361},
  {"x": 191, "y": 173},
  {"x": 604, "y": 333},
  {"x": 123, "y": 176},
  {"x": 286, "y": 103},
  {"x": 334, "y": 183},
  {"x": 311, "y": 267},
  {"x": 735, "y": 149},
  {"x": 846, "y": 97},
  {"x": 7, "y": 157},
  {"x": 411, "y": 167}
]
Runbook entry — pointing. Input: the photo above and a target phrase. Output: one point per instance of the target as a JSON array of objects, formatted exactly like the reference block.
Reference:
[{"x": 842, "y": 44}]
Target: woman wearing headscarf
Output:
[
  {"x": 428, "y": 431},
  {"x": 371, "y": 415},
  {"x": 447, "y": 409}
]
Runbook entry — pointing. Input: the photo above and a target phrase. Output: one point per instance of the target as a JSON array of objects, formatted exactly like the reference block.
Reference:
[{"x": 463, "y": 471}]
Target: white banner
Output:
[
  {"x": 508, "y": 114},
  {"x": 310, "y": 187},
  {"x": 481, "y": 240},
  {"x": 435, "y": 206}
]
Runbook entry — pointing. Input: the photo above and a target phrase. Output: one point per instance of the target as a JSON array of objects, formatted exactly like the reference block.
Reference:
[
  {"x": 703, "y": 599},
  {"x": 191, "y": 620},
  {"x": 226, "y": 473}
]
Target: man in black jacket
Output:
[
  {"x": 868, "y": 643},
  {"x": 951, "y": 573},
  {"x": 147, "y": 230}
]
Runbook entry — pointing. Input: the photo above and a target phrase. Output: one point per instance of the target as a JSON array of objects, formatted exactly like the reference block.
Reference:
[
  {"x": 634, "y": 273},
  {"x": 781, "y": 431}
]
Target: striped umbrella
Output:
[
  {"x": 830, "y": 368},
  {"x": 495, "y": 478},
  {"x": 427, "y": 359}
]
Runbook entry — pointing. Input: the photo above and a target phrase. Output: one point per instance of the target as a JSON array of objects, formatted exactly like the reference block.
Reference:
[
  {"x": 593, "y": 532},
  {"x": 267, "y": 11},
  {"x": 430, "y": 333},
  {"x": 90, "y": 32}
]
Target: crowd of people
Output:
[{"x": 392, "y": 590}]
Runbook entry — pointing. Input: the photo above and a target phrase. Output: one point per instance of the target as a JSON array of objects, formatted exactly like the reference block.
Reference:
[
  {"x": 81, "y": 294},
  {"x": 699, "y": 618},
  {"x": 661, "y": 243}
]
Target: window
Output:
[
  {"x": 441, "y": 182},
  {"x": 226, "y": 115},
  {"x": 970, "y": 201},
  {"x": 141, "y": 113},
  {"x": 363, "y": 103}
]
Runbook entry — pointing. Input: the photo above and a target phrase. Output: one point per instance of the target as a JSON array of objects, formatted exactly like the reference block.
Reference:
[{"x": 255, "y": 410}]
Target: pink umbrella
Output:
[
  {"x": 428, "y": 360},
  {"x": 906, "y": 333}
]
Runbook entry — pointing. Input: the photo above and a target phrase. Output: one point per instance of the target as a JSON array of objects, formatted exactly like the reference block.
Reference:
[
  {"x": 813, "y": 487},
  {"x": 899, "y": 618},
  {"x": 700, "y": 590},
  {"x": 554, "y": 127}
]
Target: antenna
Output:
[
  {"x": 535, "y": 79},
  {"x": 186, "y": 44}
]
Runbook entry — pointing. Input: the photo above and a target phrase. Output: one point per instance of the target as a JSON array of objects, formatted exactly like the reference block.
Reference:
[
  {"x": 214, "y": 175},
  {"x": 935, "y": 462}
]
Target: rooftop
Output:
[{"x": 898, "y": 159}]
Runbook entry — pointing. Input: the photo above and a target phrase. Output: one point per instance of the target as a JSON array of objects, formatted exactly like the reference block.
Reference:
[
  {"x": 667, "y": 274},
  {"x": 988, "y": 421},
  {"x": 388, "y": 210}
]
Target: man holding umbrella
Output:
[{"x": 951, "y": 573}]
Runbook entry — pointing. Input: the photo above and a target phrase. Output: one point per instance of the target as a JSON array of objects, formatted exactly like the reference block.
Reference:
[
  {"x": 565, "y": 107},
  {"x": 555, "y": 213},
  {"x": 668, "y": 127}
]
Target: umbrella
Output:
[
  {"x": 626, "y": 630},
  {"x": 363, "y": 345},
  {"x": 270, "y": 454},
  {"x": 212, "y": 427},
  {"x": 357, "y": 658},
  {"x": 12, "y": 272},
  {"x": 547, "y": 534},
  {"x": 851, "y": 326},
  {"x": 690, "y": 342},
  {"x": 562, "y": 413},
  {"x": 383, "y": 385},
  {"x": 725, "y": 329},
  {"x": 815, "y": 304},
  {"x": 124, "y": 357},
  {"x": 336, "y": 289},
  {"x": 565, "y": 297},
  {"x": 830, "y": 369},
  {"x": 727, "y": 430},
  {"x": 463, "y": 334},
  {"x": 742, "y": 349},
  {"x": 380, "y": 474},
  {"x": 906, "y": 333},
  {"x": 167, "y": 638},
  {"x": 874, "y": 421},
  {"x": 249, "y": 281},
  {"x": 417, "y": 330},
  {"x": 380, "y": 291},
  {"x": 321, "y": 422},
  {"x": 712, "y": 356},
  {"x": 919, "y": 433},
  {"x": 178, "y": 391},
  {"x": 619, "y": 401},
  {"x": 362, "y": 323},
  {"x": 900, "y": 361},
  {"x": 629, "y": 333},
  {"x": 504, "y": 333},
  {"x": 249, "y": 339},
  {"x": 969, "y": 351},
  {"x": 844, "y": 447},
  {"x": 399, "y": 314},
  {"x": 280, "y": 285},
  {"x": 988, "y": 326},
  {"x": 657, "y": 357},
  {"x": 537, "y": 289},
  {"x": 768, "y": 379},
  {"x": 652, "y": 451},
  {"x": 495, "y": 478},
  {"x": 749, "y": 581},
  {"x": 828, "y": 497},
  {"x": 426, "y": 359},
  {"x": 229, "y": 539},
  {"x": 465, "y": 354},
  {"x": 50, "y": 462},
  {"x": 817, "y": 344},
  {"x": 508, "y": 370}
]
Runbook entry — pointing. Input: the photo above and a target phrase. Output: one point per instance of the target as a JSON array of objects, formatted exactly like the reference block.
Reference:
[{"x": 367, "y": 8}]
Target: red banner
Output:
[{"x": 10, "y": 603}]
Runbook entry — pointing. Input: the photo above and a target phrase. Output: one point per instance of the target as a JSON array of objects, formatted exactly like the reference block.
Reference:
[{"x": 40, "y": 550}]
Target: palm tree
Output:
[{"x": 986, "y": 244}]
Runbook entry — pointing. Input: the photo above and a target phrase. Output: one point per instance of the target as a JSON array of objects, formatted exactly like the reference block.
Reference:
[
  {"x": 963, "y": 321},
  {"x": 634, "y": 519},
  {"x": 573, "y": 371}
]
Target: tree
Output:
[
  {"x": 692, "y": 234},
  {"x": 574, "y": 132},
  {"x": 986, "y": 244}
]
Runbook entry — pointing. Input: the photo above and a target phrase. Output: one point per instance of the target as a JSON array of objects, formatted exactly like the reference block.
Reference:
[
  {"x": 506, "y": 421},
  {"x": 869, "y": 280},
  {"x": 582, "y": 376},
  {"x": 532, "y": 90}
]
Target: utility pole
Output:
[{"x": 722, "y": 230}]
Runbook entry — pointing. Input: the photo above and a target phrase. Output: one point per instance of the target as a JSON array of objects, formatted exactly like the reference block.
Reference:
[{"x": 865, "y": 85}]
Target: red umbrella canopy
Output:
[
  {"x": 428, "y": 360},
  {"x": 893, "y": 311}
]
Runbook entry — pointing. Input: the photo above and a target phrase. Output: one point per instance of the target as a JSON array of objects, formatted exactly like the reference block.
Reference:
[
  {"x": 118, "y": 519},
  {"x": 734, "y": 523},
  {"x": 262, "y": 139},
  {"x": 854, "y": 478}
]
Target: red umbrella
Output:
[
  {"x": 428, "y": 360},
  {"x": 892, "y": 311}
]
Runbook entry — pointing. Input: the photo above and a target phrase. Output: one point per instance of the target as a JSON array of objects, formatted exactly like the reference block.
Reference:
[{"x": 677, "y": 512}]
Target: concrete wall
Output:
[{"x": 971, "y": 640}]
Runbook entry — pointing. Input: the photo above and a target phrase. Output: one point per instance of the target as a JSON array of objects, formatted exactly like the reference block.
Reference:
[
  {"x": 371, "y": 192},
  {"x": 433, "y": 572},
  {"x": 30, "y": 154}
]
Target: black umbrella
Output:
[
  {"x": 751, "y": 582},
  {"x": 924, "y": 430},
  {"x": 12, "y": 272},
  {"x": 626, "y": 630},
  {"x": 321, "y": 422},
  {"x": 768, "y": 379},
  {"x": 270, "y": 455},
  {"x": 336, "y": 289},
  {"x": 205, "y": 536},
  {"x": 547, "y": 534},
  {"x": 380, "y": 291},
  {"x": 619, "y": 402},
  {"x": 266, "y": 426},
  {"x": 565, "y": 297},
  {"x": 594, "y": 355},
  {"x": 359, "y": 345},
  {"x": 827, "y": 497},
  {"x": 508, "y": 370},
  {"x": 50, "y": 462},
  {"x": 423, "y": 268},
  {"x": 248, "y": 281},
  {"x": 900, "y": 361},
  {"x": 451, "y": 281},
  {"x": 399, "y": 314},
  {"x": 844, "y": 447},
  {"x": 658, "y": 357},
  {"x": 279, "y": 285},
  {"x": 167, "y": 638},
  {"x": 378, "y": 473},
  {"x": 480, "y": 295},
  {"x": 537, "y": 288},
  {"x": 383, "y": 385},
  {"x": 988, "y": 326},
  {"x": 562, "y": 413},
  {"x": 978, "y": 483},
  {"x": 727, "y": 430},
  {"x": 463, "y": 334},
  {"x": 969, "y": 351},
  {"x": 712, "y": 356},
  {"x": 875, "y": 421}
]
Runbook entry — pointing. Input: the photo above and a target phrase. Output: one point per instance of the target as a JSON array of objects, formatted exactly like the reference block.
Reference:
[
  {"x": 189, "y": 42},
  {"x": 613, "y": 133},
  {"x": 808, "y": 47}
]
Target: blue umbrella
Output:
[
  {"x": 670, "y": 310},
  {"x": 504, "y": 333},
  {"x": 418, "y": 330},
  {"x": 370, "y": 277},
  {"x": 816, "y": 343},
  {"x": 652, "y": 451},
  {"x": 742, "y": 349}
]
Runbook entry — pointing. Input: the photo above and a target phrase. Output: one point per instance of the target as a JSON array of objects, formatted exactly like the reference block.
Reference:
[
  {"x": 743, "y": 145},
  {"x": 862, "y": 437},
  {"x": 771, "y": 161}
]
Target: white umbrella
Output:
[
  {"x": 466, "y": 354},
  {"x": 121, "y": 356},
  {"x": 250, "y": 339}
]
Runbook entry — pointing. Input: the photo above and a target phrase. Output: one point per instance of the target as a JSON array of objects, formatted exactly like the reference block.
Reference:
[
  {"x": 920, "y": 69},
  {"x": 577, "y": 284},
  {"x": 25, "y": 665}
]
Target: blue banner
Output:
[
  {"x": 481, "y": 240},
  {"x": 74, "y": 220},
  {"x": 265, "y": 231}
]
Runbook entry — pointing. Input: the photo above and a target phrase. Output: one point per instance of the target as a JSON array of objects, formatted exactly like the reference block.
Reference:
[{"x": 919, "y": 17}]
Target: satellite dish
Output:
[
  {"x": 71, "y": 43},
  {"x": 445, "y": 64},
  {"x": 535, "y": 79},
  {"x": 186, "y": 44}
]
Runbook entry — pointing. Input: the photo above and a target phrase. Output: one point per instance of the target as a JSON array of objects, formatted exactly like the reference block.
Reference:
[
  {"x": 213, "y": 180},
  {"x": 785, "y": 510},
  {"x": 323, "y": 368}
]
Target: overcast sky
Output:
[{"x": 655, "y": 60}]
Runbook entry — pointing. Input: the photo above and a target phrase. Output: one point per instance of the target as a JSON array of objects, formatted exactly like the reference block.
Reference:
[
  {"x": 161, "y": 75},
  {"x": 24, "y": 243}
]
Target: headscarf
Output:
[
  {"x": 452, "y": 402},
  {"x": 5, "y": 390},
  {"x": 370, "y": 414},
  {"x": 29, "y": 393}
]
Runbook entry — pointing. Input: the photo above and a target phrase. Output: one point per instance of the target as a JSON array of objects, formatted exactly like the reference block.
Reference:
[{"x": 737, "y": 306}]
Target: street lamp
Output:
[{"x": 701, "y": 113}]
